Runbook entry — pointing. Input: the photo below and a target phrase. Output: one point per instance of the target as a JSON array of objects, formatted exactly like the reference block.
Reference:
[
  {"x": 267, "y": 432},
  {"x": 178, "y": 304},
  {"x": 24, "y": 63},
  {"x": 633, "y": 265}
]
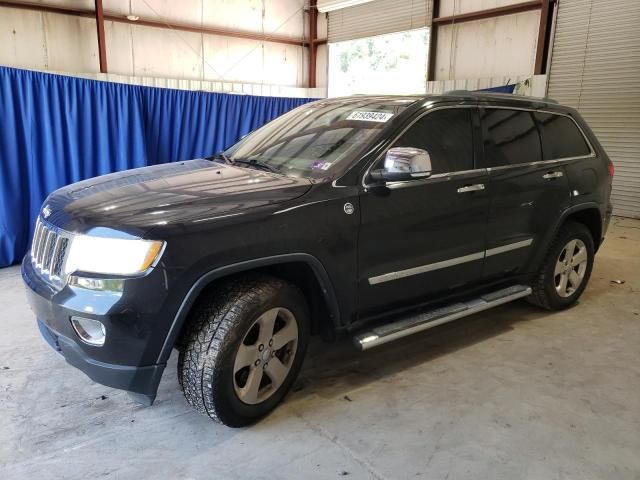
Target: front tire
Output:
[
  {"x": 243, "y": 349},
  {"x": 566, "y": 269}
]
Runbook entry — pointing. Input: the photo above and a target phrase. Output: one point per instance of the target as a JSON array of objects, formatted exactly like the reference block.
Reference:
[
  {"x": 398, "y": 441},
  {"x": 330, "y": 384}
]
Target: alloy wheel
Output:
[
  {"x": 570, "y": 268},
  {"x": 265, "y": 355}
]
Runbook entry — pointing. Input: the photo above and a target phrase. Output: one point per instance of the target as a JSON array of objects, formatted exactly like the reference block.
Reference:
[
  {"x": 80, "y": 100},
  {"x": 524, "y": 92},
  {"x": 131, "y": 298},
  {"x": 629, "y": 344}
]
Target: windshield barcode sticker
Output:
[{"x": 381, "y": 117}]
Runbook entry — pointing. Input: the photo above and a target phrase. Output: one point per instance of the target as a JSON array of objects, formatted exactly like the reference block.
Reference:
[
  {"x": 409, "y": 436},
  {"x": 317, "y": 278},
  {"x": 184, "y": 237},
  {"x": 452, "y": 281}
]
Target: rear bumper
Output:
[{"x": 53, "y": 317}]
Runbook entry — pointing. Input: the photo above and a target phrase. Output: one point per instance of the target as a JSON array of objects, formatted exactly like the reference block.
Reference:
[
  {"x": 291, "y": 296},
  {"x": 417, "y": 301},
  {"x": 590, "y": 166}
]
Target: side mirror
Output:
[{"x": 403, "y": 163}]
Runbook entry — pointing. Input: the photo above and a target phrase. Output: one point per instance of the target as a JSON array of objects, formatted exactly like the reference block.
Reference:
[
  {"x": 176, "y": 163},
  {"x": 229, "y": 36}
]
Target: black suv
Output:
[{"x": 379, "y": 216}]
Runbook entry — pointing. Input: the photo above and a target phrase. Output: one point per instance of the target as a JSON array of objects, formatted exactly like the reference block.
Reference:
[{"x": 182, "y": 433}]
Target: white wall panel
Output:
[
  {"x": 240, "y": 15},
  {"x": 287, "y": 16},
  {"x": 47, "y": 40},
  {"x": 161, "y": 53},
  {"x": 501, "y": 46},
  {"x": 22, "y": 40},
  {"x": 81, "y": 4},
  {"x": 182, "y": 11},
  {"x": 322, "y": 67},
  {"x": 449, "y": 7},
  {"x": 258, "y": 16},
  {"x": 119, "y": 37},
  {"x": 283, "y": 65},
  {"x": 71, "y": 42},
  {"x": 64, "y": 43}
]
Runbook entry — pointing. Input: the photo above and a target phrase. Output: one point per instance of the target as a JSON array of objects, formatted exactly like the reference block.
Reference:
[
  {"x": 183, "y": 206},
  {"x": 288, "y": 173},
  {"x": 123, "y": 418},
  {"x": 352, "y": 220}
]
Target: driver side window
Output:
[{"x": 446, "y": 135}]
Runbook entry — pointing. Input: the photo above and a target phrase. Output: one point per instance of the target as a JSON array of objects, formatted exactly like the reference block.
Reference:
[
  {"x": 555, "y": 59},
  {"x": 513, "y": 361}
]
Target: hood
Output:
[{"x": 135, "y": 201}]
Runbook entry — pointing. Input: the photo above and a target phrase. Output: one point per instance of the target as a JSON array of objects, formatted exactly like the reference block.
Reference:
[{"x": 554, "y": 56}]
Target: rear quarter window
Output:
[{"x": 561, "y": 137}]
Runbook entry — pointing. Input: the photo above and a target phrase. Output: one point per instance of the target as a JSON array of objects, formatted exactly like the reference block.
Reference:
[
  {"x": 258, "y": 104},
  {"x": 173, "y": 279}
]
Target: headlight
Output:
[{"x": 112, "y": 256}]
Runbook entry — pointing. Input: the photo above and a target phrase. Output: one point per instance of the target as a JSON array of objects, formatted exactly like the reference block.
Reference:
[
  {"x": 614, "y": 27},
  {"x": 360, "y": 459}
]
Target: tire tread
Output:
[
  {"x": 540, "y": 296},
  {"x": 211, "y": 326}
]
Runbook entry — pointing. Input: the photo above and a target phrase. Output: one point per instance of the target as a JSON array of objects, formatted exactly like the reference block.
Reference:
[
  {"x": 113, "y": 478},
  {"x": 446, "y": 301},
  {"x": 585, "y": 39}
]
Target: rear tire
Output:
[
  {"x": 243, "y": 349},
  {"x": 566, "y": 269}
]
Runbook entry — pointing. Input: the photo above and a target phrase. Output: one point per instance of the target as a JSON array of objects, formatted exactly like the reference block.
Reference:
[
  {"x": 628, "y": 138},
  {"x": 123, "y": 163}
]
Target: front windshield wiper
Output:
[
  {"x": 220, "y": 156},
  {"x": 257, "y": 164}
]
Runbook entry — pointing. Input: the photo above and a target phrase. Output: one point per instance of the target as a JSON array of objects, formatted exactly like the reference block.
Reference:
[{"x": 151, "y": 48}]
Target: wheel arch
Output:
[
  {"x": 302, "y": 269},
  {"x": 589, "y": 214},
  {"x": 590, "y": 218}
]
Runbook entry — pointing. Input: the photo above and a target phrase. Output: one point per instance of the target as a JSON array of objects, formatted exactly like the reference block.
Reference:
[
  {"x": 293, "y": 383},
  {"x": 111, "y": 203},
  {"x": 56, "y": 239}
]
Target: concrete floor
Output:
[{"x": 511, "y": 393}]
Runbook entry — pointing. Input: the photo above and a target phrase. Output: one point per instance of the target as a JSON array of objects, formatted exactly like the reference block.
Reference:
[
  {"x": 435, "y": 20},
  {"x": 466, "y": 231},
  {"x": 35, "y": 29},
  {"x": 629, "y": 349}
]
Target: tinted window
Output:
[
  {"x": 446, "y": 135},
  {"x": 510, "y": 137},
  {"x": 561, "y": 138}
]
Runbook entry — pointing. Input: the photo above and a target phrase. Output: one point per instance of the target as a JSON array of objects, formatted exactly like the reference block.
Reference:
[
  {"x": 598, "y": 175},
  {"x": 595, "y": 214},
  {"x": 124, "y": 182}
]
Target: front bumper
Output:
[
  {"x": 142, "y": 381},
  {"x": 53, "y": 310}
]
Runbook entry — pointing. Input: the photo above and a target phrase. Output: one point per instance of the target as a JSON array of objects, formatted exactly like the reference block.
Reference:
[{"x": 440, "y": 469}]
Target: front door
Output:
[{"x": 425, "y": 237}]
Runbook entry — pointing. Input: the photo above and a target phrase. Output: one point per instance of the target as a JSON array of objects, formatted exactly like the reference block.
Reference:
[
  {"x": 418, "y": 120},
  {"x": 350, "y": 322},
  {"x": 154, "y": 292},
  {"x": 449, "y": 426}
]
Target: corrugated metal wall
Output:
[
  {"x": 379, "y": 17},
  {"x": 595, "y": 67}
]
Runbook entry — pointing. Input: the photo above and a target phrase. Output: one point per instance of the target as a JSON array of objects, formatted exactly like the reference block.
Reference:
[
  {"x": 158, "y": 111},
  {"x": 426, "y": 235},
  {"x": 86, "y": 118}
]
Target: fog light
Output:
[
  {"x": 106, "y": 285},
  {"x": 90, "y": 331}
]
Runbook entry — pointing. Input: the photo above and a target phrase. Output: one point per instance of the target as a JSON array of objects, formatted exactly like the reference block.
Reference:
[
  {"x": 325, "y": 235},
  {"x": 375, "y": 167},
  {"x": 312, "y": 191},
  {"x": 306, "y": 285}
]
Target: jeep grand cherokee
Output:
[{"x": 374, "y": 216}]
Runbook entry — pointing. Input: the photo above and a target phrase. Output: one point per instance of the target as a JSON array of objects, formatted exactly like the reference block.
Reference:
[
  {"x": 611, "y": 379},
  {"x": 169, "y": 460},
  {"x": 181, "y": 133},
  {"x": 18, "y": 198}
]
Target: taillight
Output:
[{"x": 612, "y": 170}]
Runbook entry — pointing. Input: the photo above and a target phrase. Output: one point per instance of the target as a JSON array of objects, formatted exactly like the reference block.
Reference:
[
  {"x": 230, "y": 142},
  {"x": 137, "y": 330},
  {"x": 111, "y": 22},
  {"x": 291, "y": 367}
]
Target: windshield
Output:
[{"x": 312, "y": 140}]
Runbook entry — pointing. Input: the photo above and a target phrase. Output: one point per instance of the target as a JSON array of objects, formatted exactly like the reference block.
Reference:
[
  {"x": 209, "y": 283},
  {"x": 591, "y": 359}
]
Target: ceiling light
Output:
[{"x": 133, "y": 18}]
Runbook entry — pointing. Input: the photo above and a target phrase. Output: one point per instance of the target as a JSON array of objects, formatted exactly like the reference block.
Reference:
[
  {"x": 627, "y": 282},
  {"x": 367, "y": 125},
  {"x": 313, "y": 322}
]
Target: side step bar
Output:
[{"x": 415, "y": 323}]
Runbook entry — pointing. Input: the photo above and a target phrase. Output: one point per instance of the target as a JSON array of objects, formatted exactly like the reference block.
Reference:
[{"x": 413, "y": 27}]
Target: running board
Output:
[{"x": 409, "y": 325}]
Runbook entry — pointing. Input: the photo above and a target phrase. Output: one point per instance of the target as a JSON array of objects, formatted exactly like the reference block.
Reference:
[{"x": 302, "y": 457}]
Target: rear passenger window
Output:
[
  {"x": 561, "y": 138},
  {"x": 510, "y": 137},
  {"x": 447, "y": 136}
]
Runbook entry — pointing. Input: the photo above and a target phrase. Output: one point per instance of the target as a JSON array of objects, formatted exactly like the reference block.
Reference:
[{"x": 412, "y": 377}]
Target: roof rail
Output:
[
  {"x": 458, "y": 92},
  {"x": 485, "y": 93}
]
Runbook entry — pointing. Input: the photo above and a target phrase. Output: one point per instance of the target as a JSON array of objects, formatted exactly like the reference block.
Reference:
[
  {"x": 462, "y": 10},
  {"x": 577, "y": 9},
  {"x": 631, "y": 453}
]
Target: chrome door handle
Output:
[
  {"x": 471, "y": 188},
  {"x": 550, "y": 175}
]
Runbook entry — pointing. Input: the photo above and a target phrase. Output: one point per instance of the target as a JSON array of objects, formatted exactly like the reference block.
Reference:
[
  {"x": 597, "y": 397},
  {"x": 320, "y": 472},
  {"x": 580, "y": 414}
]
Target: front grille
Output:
[{"x": 49, "y": 251}]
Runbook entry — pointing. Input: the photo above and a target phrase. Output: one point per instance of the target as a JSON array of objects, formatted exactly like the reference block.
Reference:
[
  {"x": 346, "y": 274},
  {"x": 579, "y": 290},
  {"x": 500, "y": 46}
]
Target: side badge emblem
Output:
[
  {"x": 46, "y": 211},
  {"x": 348, "y": 208}
]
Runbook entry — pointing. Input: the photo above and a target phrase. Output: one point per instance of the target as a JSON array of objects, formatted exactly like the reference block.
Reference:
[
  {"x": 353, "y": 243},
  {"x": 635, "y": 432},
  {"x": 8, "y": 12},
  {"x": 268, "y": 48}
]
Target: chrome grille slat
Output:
[
  {"x": 43, "y": 242},
  {"x": 60, "y": 257},
  {"x": 48, "y": 252},
  {"x": 41, "y": 247},
  {"x": 57, "y": 243},
  {"x": 37, "y": 240}
]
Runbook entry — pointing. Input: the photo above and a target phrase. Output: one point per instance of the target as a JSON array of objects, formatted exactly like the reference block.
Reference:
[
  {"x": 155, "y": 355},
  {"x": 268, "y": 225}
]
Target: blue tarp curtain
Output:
[
  {"x": 501, "y": 89},
  {"x": 56, "y": 130}
]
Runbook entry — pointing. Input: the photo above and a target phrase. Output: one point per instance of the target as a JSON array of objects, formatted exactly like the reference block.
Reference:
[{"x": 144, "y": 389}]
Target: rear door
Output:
[
  {"x": 527, "y": 192},
  {"x": 425, "y": 237}
]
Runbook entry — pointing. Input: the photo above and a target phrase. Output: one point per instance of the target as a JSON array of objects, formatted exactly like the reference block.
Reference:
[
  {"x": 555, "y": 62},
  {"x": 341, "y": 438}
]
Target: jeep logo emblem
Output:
[
  {"x": 46, "y": 211},
  {"x": 348, "y": 208}
]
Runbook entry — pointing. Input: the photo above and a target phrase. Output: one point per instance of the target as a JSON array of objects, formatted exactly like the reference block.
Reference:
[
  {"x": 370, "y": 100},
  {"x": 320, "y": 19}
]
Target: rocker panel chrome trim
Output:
[
  {"x": 508, "y": 247},
  {"x": 387, "y": 277}
]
